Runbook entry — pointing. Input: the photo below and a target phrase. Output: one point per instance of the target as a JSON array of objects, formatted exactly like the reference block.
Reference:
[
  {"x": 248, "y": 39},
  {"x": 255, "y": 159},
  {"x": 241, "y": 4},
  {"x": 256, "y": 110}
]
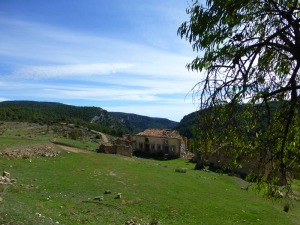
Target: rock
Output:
[
  {"x": 6, "y": 174},
  {"x": 13, "y": 181},
  {"x": 181, "y": 170},
  {"x": 119, "y": 195},
  {"x": 30, "y": 186},
  {"x": 100, "y": 198},
  {"x": 130, "y": 222},
  {"x": 6, "y": 180}
]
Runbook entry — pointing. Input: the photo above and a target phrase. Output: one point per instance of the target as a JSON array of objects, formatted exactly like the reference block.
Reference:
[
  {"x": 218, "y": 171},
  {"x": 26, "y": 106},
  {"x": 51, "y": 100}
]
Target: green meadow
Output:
[{"x": 61, "y": 190}]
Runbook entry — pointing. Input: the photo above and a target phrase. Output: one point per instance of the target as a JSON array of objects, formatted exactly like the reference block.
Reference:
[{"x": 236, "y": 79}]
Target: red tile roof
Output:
[{"x": 163, "y": 133}]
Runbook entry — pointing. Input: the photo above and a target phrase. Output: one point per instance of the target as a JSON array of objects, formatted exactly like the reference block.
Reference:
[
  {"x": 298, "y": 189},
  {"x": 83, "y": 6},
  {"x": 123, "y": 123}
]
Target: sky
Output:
[{"x": 120, "y": 55}]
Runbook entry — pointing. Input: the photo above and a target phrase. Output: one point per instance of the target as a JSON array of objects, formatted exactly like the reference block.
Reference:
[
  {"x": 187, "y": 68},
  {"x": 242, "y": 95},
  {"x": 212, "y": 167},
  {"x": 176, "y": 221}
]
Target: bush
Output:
[
  {"x": 286, "y": 207},
  {"x": 75, "y": 134}
]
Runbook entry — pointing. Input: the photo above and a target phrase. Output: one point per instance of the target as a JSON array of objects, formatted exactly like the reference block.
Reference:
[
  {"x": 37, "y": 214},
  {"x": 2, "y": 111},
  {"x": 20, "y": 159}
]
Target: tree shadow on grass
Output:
[{"x": 156, "y": 156}]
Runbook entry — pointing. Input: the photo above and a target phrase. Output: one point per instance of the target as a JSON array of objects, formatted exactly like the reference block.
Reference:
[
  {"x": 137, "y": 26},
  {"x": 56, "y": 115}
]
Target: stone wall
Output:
[
  {"x": 124, "y": 150},
  {"x": 116, "y": 149}
]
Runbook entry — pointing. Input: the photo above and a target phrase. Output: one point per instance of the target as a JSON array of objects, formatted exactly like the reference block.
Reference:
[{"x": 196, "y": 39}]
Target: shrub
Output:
[
  {"x": 75, "y": 134},
  {"x": 286, "y": 207}
]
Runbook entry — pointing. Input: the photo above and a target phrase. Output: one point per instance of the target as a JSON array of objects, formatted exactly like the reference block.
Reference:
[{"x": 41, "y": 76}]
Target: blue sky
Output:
[{"x": 122, "y": 56}]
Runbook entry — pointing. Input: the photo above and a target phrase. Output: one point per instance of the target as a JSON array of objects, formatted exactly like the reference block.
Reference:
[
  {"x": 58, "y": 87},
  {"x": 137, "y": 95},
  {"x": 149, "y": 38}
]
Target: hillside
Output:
[
  {"x": 93, "y": 117},
  {"x": 65, "y": 188},
  {"x": 185, "y": 126},
  {"x": 136, "y": 123}
]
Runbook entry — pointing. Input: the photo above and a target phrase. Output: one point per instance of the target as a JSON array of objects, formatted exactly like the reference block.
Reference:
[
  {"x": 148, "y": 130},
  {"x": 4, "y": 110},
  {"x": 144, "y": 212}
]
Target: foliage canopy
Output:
[{"x": 249, "y": 57}]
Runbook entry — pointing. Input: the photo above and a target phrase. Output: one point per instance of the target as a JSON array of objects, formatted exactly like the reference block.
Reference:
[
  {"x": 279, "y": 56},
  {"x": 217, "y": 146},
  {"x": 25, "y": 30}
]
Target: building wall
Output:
[
  {"x": 170, "y": 146},
  {"x": 124, "y": 150},
  {"x": 116, "y": 149}
]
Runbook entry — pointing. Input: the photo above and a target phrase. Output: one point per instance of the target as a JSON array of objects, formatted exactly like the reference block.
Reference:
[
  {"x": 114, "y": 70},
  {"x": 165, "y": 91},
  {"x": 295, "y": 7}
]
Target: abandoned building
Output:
[
  {"x": 159, "y": 141},
  {"x": 118, "y": 146},
  {"x": 163, "y": 142}
]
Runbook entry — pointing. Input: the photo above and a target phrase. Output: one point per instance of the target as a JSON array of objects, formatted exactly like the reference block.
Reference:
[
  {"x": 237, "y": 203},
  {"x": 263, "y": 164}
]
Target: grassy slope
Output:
[
  {"x": 18, "y": 134},
  {"x": 151, "y": 190}
]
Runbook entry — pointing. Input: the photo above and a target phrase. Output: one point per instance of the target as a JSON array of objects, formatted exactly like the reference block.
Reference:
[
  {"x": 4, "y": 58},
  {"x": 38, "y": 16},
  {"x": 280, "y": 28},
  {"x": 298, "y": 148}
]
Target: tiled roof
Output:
[{"x": 163, "y": 133}]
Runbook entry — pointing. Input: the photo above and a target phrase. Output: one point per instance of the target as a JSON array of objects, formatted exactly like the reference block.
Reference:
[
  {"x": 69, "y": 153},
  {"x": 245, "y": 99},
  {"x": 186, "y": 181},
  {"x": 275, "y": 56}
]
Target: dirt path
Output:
[
  {"x": 72, "y": 149},
  {"x": 103, "y": 136}
]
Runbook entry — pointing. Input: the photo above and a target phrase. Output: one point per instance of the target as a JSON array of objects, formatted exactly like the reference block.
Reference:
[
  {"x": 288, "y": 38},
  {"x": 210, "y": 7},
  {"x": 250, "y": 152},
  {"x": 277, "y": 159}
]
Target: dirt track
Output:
[
  {"x": 72, "y": 149},
  {"x": 103, "y": 136}
]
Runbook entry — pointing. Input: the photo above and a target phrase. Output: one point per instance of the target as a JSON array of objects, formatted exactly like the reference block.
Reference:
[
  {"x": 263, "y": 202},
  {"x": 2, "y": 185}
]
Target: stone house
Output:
[
  {"x": 118, "y": 146},
  {"x": 163, "y": 142}
]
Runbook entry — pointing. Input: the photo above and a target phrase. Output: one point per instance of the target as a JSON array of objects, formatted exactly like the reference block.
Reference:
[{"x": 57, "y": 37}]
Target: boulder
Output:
[
  {"x": 100, "y": 198},
  {"x": 119, "y": 195},
  {"x": 6, "y": 174}
]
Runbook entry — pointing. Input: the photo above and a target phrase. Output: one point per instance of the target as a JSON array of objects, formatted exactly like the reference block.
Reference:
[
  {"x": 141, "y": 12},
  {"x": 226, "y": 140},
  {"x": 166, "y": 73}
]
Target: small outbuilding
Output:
[{"x": 118, "y": 146}]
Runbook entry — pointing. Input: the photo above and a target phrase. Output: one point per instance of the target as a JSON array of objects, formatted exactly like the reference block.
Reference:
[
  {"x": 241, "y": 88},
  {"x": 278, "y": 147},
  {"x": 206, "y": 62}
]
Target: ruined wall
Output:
[
  {"x": 111, "y": 149},
  {"x": 124, "y": 150},
  {"x": 116, "y": 149}
]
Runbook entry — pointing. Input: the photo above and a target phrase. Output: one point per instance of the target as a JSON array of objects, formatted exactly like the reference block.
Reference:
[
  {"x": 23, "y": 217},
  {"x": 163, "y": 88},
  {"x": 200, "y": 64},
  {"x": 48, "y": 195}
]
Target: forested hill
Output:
[
  {"x": 185, "y": 126},
  {"x": 92, "y": 117},
  {"x": 188, "y": 122},
  {"x": 136, "y": 123}
]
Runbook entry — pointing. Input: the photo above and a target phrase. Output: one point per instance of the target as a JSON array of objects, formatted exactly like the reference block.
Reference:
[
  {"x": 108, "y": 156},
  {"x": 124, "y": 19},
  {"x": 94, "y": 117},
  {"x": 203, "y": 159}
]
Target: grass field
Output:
[
  {"x": 61, "y": 190},
  {"x": 18, "y": 134}
]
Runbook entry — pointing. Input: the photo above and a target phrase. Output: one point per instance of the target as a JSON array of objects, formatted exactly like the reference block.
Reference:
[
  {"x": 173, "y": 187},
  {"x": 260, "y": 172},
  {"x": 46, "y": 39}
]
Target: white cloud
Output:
[
  {"x": 71, "y": 70},
  {"x": 104, "y": 94},
  {"x": 91, "y": 92},
  {"x": 4, "y": 99},
  {"x": 140, "y": 73},
  {"x": 146, "y": 102},
  {"x": 42, "y": 44}
]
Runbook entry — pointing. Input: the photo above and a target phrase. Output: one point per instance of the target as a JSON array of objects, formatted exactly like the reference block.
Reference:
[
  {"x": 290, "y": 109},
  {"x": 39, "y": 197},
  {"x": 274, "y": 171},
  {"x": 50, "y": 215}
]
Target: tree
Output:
[{"x": 249, "y": 57}]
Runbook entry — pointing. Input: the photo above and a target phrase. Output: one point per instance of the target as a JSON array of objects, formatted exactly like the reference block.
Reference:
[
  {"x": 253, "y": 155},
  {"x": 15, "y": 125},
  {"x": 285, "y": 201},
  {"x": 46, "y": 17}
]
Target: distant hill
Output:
[
  {"x": 92, "y": 117},
  {"x": 185, "y": 126},
  {"x": 188, "y": 122},
  {"x": 136, "y": 123}
]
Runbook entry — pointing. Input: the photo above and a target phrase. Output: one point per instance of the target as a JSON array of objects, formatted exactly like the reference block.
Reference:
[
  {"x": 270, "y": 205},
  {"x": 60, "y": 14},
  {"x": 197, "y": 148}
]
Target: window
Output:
[
  {"x": 166, "y": 149},
  {"x": 141, "y": 146}
]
